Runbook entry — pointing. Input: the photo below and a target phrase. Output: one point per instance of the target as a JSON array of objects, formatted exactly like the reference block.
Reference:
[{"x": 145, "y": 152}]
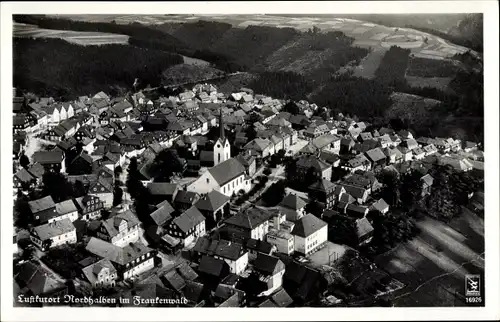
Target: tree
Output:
[
  {"x": 343, "y": 230},
  {"x": 410, "y": 190},
  {"x": 118, "y": 171},
  {"x": 390, "y": 191},
  {"x": 338, "y": 174},
  {"x": 24, "y": 161},
  {"x": 166, "y": 164},
  {"x": 390, "y": 229},
  {"x": 291, "y": 108},
  {"x": 314, "y": 207},
  {"x": 22, "y": 213},
  {"x": 133, "y": 182},
  {"x": 57, "y": 186},
  {"x": 274, "y": 194},
  {"x": 117, "y": 196}
]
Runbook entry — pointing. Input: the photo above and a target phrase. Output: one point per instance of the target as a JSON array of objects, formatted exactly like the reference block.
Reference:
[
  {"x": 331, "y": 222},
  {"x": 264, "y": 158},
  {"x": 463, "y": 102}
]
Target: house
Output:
[
  {"x": 213, "y": 270},
  {"x": 34, "y": 281},
  {"x": 430, "y": 149},
  {"x": 53, "y": 234},
  {"x": 356, "y": 211},
  {"x": 248, "y": 161},
  {"x": 381, "y": 206},
  {"x": 394, "y": 155},
  {"x": 358, "y": 193},
  {"x": 364, "y": 231},
  {"x": 303, "y": 283},
  {"x": 418, "y": 153},
  {"x": 232, "y": 253},
  {"x": 20, "y": 122},
  {"x": 103, "y": 188},
  {"x": 310, "y": 234},
  {"x": 65, "y": 209},
  {"x": 319, "y": 168},
  {"x": 23, "y": 179},
  {"x": 227, "y": 177},
  {"x": 101, "y": 274},
  {"x": 282, "y": 299},
  {"x": 43, "y": 209},
  {"x": 251, "y": 223},
  {"x": 283, "y": 240},
  {"x": 214, "y": 206},
  {"x": 89, "y": 207},
  {"x": 427, "y": 182},
  {"x": 185, "y": 199},
  {"x": 376, "y": 157},
  {"x": 270, "y": 270},
  {"x": 160, "y": 191},
  {"x": 470, "y": 146},
  {"x": 324, "y": 191},
  {"x": 163, "y": 214},
  {"x": 53, "y": 161},
  {"x": 121, "y": 229},
  {"x": 255, "y": 246},
  {"x": 293, "y": 207},
  {"x": 188, "y": 226},
  {"x": 260, "y": 147},
  {"x": 407, "y": 153},
  {"x": 129, "y": 261}
]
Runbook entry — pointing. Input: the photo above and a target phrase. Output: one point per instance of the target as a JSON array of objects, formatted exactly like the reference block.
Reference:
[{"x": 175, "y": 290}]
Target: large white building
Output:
[
  {"x": 54, "y": 234},
  {"x": 310, "y": 233},
  {"x": 227, "y": 177}
]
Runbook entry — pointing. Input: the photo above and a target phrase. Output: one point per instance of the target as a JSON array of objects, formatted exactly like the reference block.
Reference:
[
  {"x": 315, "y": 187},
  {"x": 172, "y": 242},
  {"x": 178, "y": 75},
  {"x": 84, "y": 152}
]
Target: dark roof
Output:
[
  {"x": 269, "y": 265},
  {"x": 294, "y": 202},
  {"x": 189, "y": 219},
  {"x": 267, "y": 303},
  {"x": 186, "y": 197},
  {"x": 212, "y": 266},
  {"x": 41, "y": 204},
  {"x": 375, "y": 155},
  {"x": 116, "y": 254},
  {"x": 227, "y": 171},
  {"x": 323, "y": 185},
  {"x": 309, "y": 161},
  {"x": 187, "y": 272},
  {"x": 193, "y": 291},
  {"x": 212, "y": 201},
  {"x": 281, "y": 298},
  {"x": 219, "y": 248},
  {"x": 250, "y": 218},
  {"x": 48, "y": 157},
  {"x": 307, "y": 225},
  {"x": 163, "y": 214},
  {"x": 259, "y": 245},
  {"x": 112, "y": 224},
  {"x": 175, "y": 280}
]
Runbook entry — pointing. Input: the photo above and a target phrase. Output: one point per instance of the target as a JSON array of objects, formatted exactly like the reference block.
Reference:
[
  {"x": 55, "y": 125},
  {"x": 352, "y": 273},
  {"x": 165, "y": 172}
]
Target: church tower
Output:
[{"x": 222, "y": 149}]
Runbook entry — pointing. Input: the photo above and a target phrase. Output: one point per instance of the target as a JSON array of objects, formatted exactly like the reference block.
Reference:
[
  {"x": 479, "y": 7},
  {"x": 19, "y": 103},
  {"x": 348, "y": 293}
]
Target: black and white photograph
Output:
[{"x": 200, "y": 158}]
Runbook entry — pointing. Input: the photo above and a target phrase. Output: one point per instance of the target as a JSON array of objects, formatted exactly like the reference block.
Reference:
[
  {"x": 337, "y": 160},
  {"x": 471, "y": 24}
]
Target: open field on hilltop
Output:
[
  {"x": 440, "y": 83},
  {"x": 436, "y": 261},
  {"x": 369, "y": 64},
  {"x": 77, "y": 37}
]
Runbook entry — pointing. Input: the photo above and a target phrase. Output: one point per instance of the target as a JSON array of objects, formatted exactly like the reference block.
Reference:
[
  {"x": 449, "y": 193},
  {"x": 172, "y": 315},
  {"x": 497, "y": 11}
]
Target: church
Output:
[
  {"x": 222, "y": 149},
  {"x": 227, "y": 175}
]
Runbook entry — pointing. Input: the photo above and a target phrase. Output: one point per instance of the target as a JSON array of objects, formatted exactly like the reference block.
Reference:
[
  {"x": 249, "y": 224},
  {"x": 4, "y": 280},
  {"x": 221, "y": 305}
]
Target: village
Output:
[{"x": 216, "y": 199}]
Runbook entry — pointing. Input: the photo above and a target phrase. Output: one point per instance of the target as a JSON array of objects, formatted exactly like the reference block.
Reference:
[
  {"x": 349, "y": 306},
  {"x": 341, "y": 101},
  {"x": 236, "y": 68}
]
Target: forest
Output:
[
  {"x": 48, "y": 67},
  {"x": 392, "y": 69},
  {"x": 285, "y": 85}
]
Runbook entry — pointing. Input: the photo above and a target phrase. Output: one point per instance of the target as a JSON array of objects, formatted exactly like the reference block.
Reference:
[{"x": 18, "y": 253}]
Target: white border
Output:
[{"x": 491, "y": 311}]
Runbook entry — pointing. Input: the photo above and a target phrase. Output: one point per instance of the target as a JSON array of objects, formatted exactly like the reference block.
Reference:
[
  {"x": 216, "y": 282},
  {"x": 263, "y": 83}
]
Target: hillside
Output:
[
  {"x": 54, "y": 67},
  {"x": 188, "y": 73}
]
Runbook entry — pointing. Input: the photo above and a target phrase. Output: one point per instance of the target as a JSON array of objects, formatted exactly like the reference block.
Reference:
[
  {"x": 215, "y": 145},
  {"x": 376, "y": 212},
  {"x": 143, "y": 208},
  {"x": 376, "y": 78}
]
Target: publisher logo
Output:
[{"x": 472, "y": 285}]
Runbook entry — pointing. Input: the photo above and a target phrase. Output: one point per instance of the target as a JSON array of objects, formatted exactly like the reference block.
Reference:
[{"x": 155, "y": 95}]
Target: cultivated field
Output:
[
  {"x": 369, "y": 64},
  {"x": 434, "y": 264},
  {"x": 77, "y": 37}
]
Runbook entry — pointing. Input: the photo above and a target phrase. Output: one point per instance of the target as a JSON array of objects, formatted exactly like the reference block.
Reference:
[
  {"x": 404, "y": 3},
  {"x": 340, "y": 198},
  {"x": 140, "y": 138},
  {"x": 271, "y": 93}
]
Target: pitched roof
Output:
[
  {"x": 116, "y": 254},
  {"x": 112, "y": 224},
  {"x": 163, "y": 214},
  {"x": 189, "y": 219},
  {"x": 269, "y": 265},
  {"x": 375, "y": 155},
  {"x": 41, "y": 204},
  {"x": 267, "y": 303},
  {"x": 363, "y": 227},
  {"x": 91, "y": 271},
  {"x": 66, "y": 207},
  {"x": 48, "y": 157},
  {"x": 212, "y": 201},
  {"x": 53, "y": 229},
  {"x": 294, "y": 202},
  {"x": 212, "y": 266},
  {"x": 227, "y": 171},
  {"x": 307, "y": 225},
  {"x": 380, "y": 205},
  {"x": 187, "y": 272},
  {"x": 175, "y": 280},
  {"x": 162, "y": 188},
  {"x": 250, "y": 218},
  {"x": 428, "y": 179},
  {"x": 24, "y": 176},
  {"x": 323, "y": 185},
  {"x": 219, "y": 248},
  {"x": 281, "y": 298},
  {"x": 309, "y": 161}
]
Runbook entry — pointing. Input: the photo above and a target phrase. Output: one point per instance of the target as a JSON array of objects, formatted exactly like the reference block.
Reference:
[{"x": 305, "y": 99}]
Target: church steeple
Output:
[{"x": 221, "y": 127}]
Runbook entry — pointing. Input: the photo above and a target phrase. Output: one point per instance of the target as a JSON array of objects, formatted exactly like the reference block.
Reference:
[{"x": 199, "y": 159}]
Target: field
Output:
[
  {"x": 76, "y": 37},
  {"x": 434, "y": 264},
  {"x": 369, "y": 64}
]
